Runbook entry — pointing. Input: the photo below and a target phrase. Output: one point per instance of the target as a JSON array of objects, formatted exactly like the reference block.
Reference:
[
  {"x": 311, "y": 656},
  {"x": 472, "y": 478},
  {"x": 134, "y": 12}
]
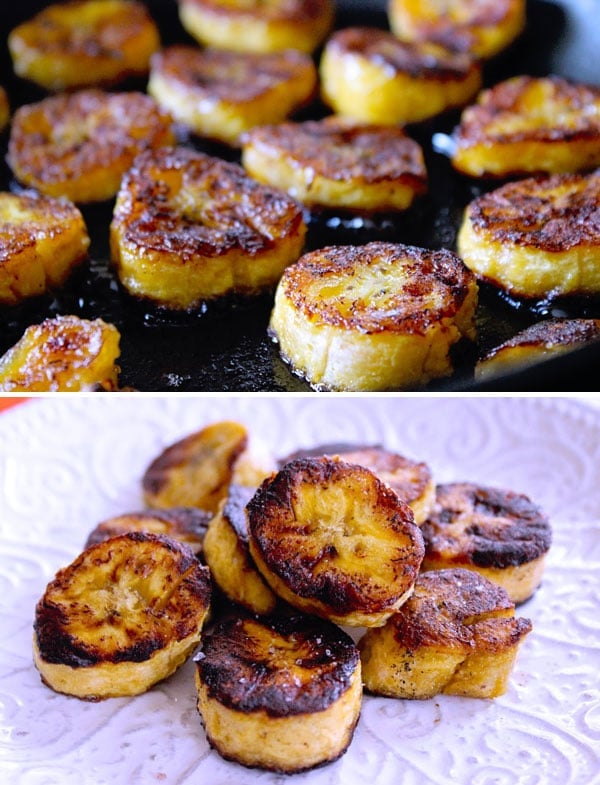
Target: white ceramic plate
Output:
[{"x": 66, "y": 464}]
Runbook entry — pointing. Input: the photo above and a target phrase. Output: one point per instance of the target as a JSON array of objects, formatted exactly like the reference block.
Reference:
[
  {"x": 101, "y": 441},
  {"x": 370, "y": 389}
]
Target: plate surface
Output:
[{"x": 64, "y": 466}]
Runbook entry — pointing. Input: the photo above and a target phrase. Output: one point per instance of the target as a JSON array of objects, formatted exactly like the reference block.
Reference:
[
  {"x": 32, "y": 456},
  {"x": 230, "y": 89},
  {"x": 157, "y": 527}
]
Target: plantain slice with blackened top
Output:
[
  {"x": 221, "y": 94},
  {"x": 279, "y": 693},
  {"x": 457, "y": 635},
  {"x": 483, "y": 28},
  {"x": 537, "y": 237},
  {"x": 375, "y": 317},
  {"x": 188, "y": 227},
  {"x": 42, "y": 240},
  {"x": 411, "y": 480},
  {"x": 78, "y": 145},
  {"x": 500, "y": 533},
  {"x": 529, "y": 125},
  {"x": 227, "y": 554},
  {"x": 332, "y": 539},
  {"x": 370, "y": 75},
  {"x": 336, "y": 163},
  {"x": 539, "y": 342},
  {"x": 63, "y": 354},
  {"x": 258, "y": 25},
  {"x": 124, "y": 615},
  {"x": 84, "y": 43}
]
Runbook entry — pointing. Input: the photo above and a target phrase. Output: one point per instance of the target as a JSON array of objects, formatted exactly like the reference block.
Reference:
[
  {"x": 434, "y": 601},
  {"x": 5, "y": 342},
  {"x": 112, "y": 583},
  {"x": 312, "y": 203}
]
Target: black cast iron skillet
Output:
[{"x": 225, "y": 347}]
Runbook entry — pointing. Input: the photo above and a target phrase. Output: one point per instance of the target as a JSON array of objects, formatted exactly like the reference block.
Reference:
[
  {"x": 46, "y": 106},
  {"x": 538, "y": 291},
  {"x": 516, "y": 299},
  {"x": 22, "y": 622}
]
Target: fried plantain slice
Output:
[{"x": 4, "y": 109}]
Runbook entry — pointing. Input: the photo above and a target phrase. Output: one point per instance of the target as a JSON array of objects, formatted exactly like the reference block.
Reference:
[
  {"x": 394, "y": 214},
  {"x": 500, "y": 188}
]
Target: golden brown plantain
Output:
[
  {"x": 121, "y": 617},
  {"x": 282, "y": 694}
]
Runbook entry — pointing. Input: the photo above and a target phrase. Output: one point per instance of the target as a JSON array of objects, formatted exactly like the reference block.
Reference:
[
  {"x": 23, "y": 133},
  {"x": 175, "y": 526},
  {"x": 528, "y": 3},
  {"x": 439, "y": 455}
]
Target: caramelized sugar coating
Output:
[
  {"x": 537, "y": 237},
  {"x": 79, "y": 145},
  {"x": 536, "y": 343},
  {"x": 279, "y": 693},
  {"x": 483, "y": 28},
  {"x": 375, "y": 317},
  {"x": 258, "y": 25},
  {"x": 42, "y": 240},
  {"x": 529, "y": 124},
  {"x": 336, "y": 163},
  {"x": 63, "y": 354},
  {"x": 84, "y": 43},
  {"x": 188, "y": 227},
  {"x": 370, "y": 75},
  {"x": 125, "y": 614},
  {"x": 332, "y": 539},
  {"x": 221, "y": 94},
  {"x": 499, "y": 533},
  {"x": 457, "y": 635}
]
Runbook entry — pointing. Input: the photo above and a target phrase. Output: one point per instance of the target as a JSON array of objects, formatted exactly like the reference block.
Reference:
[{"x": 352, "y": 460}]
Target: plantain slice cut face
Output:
[
  {"x": 371, "y": 76},
  {"x": 227, "y": 555},
  {"x": 536, "y": 343},
  {"x": 501, "y": 534},
  {"x": 483, "y": 28},
  {"x": 4, "y": 109},
  {"x": 374, "y": 317},
  {"x": 537, "y": 237},
  {"x": 258, "y": 25},
  {"x": 411, "y": 480},
  {"x": 457, "y": 635},
  {"x": 279, "y": 693},
  {"x": 332, "y": 539},
  {"x": 42, "y": 240},
  {"x": 530, "y": 125},
  {"x": 63, "y": 354},
  {"x": 121, "y": 617},
  {"x": 221, "y": 94},
  {"x": 188, "y": 228},
  {"x": 84, "y": 43},
  {"x": 334, "y": 163},
  {"x": 186, "y": 524},
  {"x": 79, "y": 145}
]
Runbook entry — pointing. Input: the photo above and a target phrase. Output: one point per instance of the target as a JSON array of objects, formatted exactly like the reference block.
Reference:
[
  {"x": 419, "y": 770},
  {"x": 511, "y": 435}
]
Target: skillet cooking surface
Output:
[{"x": 225, "y": 348}]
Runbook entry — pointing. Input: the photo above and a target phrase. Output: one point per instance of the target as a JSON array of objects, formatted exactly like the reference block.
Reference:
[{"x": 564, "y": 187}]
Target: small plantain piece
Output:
[
  {"x": 121, "y": 617},
  {"x": 332, "y": 539},
  {"x": 42, "y": 240},
  {"x": 279, "y": 693},
  {"x": 63, "y": 354},
  {"x": 84, "y": 43},
  {"x": 501, "y": 534},
  {"x": 456, "y": 635}
]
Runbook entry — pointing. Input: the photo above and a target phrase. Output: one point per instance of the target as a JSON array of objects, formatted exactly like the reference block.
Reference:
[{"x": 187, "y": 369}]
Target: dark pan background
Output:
[{"x": 226, "y": 348}]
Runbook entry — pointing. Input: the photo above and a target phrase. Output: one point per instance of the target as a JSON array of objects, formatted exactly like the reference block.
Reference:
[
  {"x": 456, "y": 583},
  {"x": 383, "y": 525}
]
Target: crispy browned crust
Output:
[
  {"x": 339, "y": 150},
  {"x": 187, "y": 524},
  {"x": 112, "y": 128},
  {"x": 191, "y": 594},
  {"x": 243, "y": 214},
  {"x": 485, "y": 527},
  {"x": 551, "y": 334},
  {"x": 506, "y": 98},
  {"x": 292, "y": 10},
  {"x": 233, "y": 675},
  {"x": 553, "y": 214},
  {"x": 427, "y": 271},
  {"x": 234, "y": 510},
  {"x": 288, "y": 549},
  {"x": 419, "y": 61}
]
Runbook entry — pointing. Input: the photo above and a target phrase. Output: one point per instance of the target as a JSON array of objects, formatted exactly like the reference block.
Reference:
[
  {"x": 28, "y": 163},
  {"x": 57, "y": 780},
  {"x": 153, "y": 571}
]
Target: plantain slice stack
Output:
[
  {"x": 332, "y": 539},
  {"x": 456, "y": 635},
  {"x": 370, "y": 75},
  {"x": 42, "y": 240},
  {"x": 375, "y": 317},
  {"x": 84, "y": 43},
  {"x": 63, "y": 354},
  {"x": 122, "y": 617},
  {"x": 501, "y": 534},
  {"x": 279, "y": 693},
  {"x": 335, "y": 163}
]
